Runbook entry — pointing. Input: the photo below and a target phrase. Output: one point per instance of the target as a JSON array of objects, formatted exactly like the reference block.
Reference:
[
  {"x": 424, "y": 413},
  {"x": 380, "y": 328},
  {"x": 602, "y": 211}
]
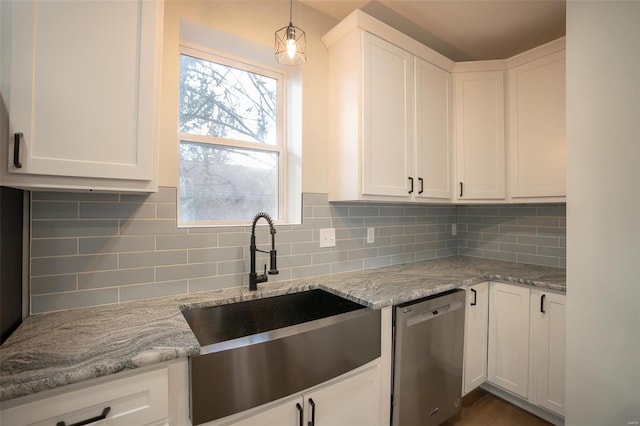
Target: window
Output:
[{"x": 232, "y": 150}]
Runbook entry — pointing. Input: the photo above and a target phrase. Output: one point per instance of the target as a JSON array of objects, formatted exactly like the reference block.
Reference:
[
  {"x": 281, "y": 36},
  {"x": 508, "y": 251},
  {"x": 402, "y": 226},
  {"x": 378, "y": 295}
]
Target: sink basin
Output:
[
  {"x": 222, "y": 323},
  {"x": 261, "y": 350}
]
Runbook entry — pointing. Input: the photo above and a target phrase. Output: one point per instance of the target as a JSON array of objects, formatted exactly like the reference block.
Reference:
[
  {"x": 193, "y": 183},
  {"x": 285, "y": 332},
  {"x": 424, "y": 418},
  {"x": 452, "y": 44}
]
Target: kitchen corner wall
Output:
[
  {"x": 91, "y": 249},
  {"x": 526, "y": 233}
]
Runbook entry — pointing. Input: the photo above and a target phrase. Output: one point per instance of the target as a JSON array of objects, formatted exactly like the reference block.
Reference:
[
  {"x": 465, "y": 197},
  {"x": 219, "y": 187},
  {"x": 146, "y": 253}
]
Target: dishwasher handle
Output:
[{"x": 432, "y": 313}]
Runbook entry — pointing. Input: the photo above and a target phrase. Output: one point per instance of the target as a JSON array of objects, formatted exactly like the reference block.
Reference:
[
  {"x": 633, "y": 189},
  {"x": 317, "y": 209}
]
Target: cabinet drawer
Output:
[{"x": 141, "y": 399}]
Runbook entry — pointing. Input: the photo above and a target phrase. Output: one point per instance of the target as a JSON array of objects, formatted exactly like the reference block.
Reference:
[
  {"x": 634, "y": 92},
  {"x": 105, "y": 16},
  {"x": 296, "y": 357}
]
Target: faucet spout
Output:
[{"x": 254, "y": 278}]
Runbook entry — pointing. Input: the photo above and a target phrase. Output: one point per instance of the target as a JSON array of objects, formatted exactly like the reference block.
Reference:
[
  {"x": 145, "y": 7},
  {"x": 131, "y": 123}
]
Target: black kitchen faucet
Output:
[{"x": 254, "y": 278}]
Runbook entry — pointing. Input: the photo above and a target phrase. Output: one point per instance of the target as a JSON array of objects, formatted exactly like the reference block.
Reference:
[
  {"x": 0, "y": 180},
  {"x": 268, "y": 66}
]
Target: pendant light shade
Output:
[{"x": 291, "y": 43}]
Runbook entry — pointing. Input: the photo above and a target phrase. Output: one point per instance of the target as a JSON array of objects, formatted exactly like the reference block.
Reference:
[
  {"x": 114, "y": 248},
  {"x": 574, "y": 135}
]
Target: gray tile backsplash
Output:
[
  {"x": 524, "y": 233},
  {"x": 92, "y": 249}
]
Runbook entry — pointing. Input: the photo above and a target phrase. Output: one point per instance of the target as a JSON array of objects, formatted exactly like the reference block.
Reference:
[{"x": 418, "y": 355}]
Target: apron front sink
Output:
[{"x": 261, "y": 350}]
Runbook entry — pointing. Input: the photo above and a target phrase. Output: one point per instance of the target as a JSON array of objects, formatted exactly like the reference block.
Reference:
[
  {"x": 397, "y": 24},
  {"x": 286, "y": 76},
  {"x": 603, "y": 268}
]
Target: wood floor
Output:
[{"x": 481, "y": 408}]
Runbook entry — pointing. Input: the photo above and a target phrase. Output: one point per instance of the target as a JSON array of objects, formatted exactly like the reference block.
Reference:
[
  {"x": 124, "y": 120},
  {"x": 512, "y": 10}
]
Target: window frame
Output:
[{"x": 280, "y": 147}]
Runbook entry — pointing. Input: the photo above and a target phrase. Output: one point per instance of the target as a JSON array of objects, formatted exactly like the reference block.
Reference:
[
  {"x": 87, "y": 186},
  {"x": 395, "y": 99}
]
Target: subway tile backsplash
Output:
[
  {"x": 92, "y": 249},
  {"x": 522, "y": 233}
]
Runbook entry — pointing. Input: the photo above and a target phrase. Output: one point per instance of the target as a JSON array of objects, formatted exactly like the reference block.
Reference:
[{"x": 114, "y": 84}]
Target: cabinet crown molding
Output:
[
  {"x": 364, "y": 22},
  {"x": 514, "y": 61},
  {"x": 537, "y": 52},
  {"x": 480, "y": 66}
]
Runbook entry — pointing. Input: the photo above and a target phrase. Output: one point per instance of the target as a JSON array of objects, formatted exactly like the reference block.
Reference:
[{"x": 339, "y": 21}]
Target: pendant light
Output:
[{"x": 291, "y": 43}]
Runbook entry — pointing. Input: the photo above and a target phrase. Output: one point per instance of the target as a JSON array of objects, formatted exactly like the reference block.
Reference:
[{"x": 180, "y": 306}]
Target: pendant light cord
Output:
[{"x": 290, "y": 12}]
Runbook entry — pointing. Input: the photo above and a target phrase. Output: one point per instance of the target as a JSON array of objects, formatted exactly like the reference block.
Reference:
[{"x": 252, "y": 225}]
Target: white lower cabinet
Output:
[
  {"x": 351, "y": 401},
  {"x": 137, "y": 399},
  {"x": 548, "y": 339},
  {"x": 475, "y": 336},
  {"x": 508, "y": 365},
  {"x": 522, "y": 351},
  {"x": 287, "y": 413}
]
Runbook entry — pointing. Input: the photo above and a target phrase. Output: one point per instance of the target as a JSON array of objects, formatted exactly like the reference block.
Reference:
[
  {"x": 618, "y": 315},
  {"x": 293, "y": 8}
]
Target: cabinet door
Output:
[
  {"x": 353, "y": 401},
  {"x": 537, "y": 142},
  {"x": 82, "y": 87},
  {"x": 480, "y": 148},
  {"x": 387, "y": 118},
  {"x": 433, "y": 122},
  {"x": 288, "y": 413},
  {"x": 548, "y": 328},
  {"x": 476, "y": 325},
  {"x": 508, "y": 365},
  {"x": 140, "y": 399}
]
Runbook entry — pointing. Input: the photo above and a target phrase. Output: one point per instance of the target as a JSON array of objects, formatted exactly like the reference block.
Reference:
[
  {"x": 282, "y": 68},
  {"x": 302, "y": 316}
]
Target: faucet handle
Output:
[{"x": 263, "y": 277}]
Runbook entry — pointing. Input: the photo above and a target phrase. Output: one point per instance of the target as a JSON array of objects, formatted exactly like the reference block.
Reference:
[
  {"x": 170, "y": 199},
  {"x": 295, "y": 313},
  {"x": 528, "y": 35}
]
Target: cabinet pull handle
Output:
[
  {"x": 411, "y": 190},
  {"x": 16, "y": 150},
  {"x": 461, "y": 189},
  {"x": 102, "y": 416},
  {"x": 421, "y": 185},
  {"x": 475, "y": 297},
  {"x": 300, "y": 414},
  {"x": 542, "y": 304},
  {"x": 313, "y": 413}
]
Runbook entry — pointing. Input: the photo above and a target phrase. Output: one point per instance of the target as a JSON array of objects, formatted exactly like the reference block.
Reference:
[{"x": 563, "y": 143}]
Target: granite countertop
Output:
[{"x": 60, "y": 348}]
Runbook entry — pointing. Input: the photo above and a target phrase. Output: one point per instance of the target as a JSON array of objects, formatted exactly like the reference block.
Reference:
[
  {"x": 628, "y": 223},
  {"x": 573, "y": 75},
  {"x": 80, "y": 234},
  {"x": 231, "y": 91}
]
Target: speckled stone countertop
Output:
[{"x": 60, "y": 348}]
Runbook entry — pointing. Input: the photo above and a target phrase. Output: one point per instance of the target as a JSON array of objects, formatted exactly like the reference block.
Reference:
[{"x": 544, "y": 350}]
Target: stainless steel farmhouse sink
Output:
[{"x": 261, "y": 350}]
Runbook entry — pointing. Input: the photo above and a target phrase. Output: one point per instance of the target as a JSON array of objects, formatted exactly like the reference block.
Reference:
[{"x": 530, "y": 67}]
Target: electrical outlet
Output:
[
  {"x": 371, "y": 235},
  {"x": 328, "y": 237},
  {"x": 454, "y": 229}
]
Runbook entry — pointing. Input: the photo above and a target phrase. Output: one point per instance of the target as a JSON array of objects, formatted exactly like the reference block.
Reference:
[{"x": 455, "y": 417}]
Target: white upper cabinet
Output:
[
  {"x": 390, "y": 116},
  {"x": 536, "y": 135},
  {"x": 513, "y": 152},
  {"x": 387, "y": 124},
  {"x": 400, "y": 121},
  {"x": 83, "y": 94},
  {"x": 480, "y": 145},
  {"x": 433, "y": 124}
]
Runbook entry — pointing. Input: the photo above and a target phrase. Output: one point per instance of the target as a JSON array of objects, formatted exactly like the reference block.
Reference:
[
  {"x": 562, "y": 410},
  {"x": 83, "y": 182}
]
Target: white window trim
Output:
[
  {"x": 215, "y": 56},
  {"x": 197, "y": 34}
]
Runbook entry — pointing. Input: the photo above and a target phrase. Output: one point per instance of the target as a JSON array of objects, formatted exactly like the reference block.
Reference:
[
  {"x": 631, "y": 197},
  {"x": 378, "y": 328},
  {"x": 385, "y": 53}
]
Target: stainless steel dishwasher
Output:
[{"x": 427, "y": 373}]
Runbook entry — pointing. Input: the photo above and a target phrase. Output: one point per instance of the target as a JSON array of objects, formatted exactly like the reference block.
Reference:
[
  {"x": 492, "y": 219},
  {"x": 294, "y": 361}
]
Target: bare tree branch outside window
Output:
[{"x": 219, "y": 182}]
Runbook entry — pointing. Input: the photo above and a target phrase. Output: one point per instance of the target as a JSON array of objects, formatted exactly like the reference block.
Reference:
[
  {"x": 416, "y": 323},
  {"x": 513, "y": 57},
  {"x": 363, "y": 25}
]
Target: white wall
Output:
[
  {"x": 256, "y": 21},
  {"x": 603, "y": 213}
]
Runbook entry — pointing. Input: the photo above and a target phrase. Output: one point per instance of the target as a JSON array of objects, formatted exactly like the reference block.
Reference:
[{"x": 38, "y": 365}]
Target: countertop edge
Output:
[{"x": 157, "y": 350}]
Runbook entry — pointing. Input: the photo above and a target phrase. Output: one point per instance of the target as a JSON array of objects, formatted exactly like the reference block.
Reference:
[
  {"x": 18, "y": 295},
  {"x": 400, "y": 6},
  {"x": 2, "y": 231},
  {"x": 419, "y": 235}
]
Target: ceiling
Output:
[{"x": 464, "y": 30}]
